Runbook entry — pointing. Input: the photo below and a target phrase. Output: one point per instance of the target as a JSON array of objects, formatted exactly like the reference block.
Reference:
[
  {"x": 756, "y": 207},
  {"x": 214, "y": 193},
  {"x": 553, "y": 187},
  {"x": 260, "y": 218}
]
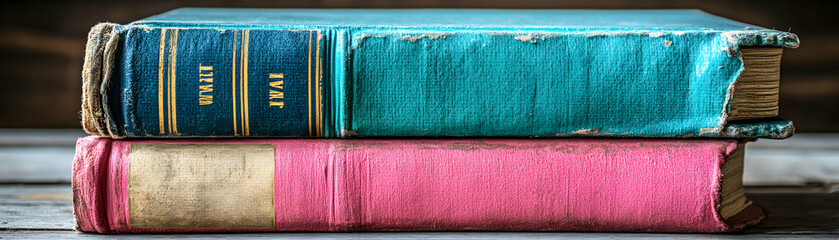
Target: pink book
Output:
[{"x": 255, "y": 185}]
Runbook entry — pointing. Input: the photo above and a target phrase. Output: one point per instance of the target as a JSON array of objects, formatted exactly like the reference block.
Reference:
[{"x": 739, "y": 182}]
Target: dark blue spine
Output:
[{"x": 212, "y": 82}]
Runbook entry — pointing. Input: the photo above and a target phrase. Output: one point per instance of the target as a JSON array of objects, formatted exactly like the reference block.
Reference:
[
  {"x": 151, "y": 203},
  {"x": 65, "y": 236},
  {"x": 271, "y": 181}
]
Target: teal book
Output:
[{"x": 433, "y": 73}]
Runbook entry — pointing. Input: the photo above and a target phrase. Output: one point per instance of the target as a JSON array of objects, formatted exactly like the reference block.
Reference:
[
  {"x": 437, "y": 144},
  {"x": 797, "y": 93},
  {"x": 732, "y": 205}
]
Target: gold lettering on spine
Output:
[
  {"x": 233, "y": 84},
  {"x": 160, "y": 58},
  {"x": 318, "y": 124},
  {"x": 173, "y": 56},
  {"x": 205, "y": 72},
  {"x": 205, "y": 75},
  {"x": 275, "y": 91},
  {"x": 309, "y": 96},
  {"x": 245, "y": 120}
]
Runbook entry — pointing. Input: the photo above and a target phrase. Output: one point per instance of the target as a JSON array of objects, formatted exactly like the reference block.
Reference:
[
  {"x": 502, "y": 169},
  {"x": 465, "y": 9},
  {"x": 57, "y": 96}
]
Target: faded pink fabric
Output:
[{"x": 662, "y": 185}]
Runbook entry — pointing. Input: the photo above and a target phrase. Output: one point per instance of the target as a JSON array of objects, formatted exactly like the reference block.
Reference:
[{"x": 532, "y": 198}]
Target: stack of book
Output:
[{"x": 233, "y": 120}]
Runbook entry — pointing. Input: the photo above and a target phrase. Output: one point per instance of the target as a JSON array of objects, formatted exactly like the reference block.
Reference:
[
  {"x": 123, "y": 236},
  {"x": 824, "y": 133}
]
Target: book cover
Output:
[
  {"x": 636, "y": 185},
  {"x": 427, "y": 72}
]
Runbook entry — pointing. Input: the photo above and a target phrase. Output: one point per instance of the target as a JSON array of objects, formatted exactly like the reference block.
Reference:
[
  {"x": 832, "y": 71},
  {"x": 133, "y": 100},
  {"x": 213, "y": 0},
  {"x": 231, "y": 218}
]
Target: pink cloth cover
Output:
[{"x": 660, "y": 185}]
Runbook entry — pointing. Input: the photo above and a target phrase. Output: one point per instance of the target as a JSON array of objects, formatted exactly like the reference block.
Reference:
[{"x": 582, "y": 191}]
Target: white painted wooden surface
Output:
[
  {"x": 42, "y": 207},
  {"x": 32, "y": 164},
  {"x": 803, "y": 159},
  {"x": 45, "y": 212}
]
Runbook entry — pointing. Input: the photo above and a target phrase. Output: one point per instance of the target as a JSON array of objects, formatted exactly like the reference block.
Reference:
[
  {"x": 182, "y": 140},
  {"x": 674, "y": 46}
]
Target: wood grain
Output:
[
  {"x": 804, "y": 159},
  {"x": 801, "y": 213}
]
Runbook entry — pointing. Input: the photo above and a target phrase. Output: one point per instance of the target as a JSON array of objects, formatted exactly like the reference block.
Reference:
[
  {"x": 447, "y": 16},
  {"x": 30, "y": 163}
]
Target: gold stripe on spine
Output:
[
  {"x": 309, "y": 96},
  {"x": 241, "y": 94},
  {"x": 169, "y": 85},
  {"x": 318, "y": 113},
  {"x": 160, "y": 58},
  {"x": 233, "y": 84},
  {"x": 246, "y": 120},
  {"x": 173, "y": 117}
]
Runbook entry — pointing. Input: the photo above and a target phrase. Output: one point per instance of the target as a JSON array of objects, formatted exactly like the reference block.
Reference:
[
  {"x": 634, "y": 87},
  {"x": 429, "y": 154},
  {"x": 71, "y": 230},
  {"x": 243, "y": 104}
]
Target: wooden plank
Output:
[
  {"x": 804, "y": 159},
  {"x": 39, "y": 137},
  {"x": 45, "y": 211},
  {"x": 37, "y": 155},
  {"x": 36, "y": 207},
  {"x": 36, "y": 164},
  {"x": 791, "y": 167},
  {"x": 798, "y": 213}
]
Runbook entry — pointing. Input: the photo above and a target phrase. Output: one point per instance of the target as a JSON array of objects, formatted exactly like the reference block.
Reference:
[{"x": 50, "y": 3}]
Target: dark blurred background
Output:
[{"x": 42, "y": 47}]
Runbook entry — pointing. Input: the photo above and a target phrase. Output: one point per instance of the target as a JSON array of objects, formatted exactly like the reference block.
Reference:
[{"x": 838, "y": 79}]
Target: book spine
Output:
[
  {"x": 88, "y": 183},
  {"x": 401, "y": 185},
  {"x": 216, "y": 82},
  {"x": 365, "y": 81}
]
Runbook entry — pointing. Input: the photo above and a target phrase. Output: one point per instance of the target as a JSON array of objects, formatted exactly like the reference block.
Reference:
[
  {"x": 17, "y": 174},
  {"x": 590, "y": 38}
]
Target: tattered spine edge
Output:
[
  {"x": 751, "y": 214},
  {"x": 90, "y": 172},
  {"x": 734, "y": 40},
  {"x": 96, "y": 73}
]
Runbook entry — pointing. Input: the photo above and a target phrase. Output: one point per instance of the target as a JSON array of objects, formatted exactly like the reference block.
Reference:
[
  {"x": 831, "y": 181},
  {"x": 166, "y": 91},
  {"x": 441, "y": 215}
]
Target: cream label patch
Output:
[{"x": 201, "y": 186}]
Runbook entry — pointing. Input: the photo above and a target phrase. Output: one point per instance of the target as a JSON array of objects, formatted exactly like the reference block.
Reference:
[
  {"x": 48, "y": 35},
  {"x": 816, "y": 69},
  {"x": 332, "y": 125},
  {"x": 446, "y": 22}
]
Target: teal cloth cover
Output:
[{"x": 423, "y": 72}]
